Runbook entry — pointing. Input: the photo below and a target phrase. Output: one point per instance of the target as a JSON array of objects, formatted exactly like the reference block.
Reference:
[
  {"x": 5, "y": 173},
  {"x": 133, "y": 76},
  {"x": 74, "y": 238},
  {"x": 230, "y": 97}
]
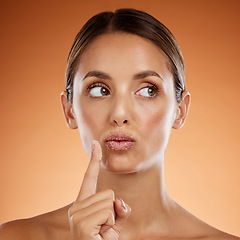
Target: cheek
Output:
[
  {"x": 156, "y": 124},
  {"x": 90, "y": 119},
  {"x": 93, "y": 113}
]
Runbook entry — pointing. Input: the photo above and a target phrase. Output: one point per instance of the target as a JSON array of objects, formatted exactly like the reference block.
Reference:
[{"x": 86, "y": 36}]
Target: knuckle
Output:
[
  {"x": 110, "y": 193},
  {"x": 109, "y": 202},
  {"x": 75, "y": 219},
  {"x": 73, "y": 209}
]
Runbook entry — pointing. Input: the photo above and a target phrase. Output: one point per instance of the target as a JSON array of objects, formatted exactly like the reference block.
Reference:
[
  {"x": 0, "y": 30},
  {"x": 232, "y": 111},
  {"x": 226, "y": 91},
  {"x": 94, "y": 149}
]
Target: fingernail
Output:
[{"x": 123, "y": 205}]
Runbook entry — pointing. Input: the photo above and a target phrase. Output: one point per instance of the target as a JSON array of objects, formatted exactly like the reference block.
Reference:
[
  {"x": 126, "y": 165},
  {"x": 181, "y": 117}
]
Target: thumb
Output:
[{"x": 122, "y": 211}]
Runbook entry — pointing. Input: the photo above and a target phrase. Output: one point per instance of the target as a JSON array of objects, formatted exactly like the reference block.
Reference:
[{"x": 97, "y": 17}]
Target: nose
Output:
[
  {"x": 120, "y": 111},
  {"x": 120, "y": 122}
]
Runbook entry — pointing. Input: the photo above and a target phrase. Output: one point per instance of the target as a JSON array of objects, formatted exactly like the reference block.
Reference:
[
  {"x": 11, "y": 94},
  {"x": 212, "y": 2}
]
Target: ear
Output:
[
  {"x": 68, "y": 111},
  {"x": 182, "y": 110}
]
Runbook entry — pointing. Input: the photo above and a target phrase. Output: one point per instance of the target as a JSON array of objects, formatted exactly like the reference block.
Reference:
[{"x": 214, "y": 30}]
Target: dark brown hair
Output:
[{"x": 127, "y": 21}]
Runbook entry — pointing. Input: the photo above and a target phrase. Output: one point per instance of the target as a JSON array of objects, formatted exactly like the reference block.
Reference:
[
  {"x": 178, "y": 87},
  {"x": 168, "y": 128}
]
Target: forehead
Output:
[{"x": 129, "y": 52}]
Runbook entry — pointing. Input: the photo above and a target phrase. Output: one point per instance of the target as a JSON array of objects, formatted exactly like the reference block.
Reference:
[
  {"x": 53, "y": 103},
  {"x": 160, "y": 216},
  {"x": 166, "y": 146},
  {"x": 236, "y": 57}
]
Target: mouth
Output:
[{"x": 119, "y": 141}]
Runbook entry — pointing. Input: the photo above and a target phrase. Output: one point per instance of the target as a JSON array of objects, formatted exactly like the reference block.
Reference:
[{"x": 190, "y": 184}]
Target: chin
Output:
[{"x": 119, "y": 165}]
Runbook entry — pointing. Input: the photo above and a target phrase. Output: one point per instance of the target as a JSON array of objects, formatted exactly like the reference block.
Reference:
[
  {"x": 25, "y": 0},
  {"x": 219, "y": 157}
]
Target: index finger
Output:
[{"x": 89, "y": 183}]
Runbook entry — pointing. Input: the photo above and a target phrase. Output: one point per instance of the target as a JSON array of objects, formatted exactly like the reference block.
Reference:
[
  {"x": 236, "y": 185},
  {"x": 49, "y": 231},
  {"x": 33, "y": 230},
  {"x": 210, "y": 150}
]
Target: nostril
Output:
[{"x": 120, "y": 122}]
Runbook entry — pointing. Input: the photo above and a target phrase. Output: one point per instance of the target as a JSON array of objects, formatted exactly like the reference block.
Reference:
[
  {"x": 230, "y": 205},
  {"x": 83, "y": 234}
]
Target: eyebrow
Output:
[
  {"x": 97, "y": 74},
  {"x": 148, "y": 73},
  {"x": 141, "y": 75}
]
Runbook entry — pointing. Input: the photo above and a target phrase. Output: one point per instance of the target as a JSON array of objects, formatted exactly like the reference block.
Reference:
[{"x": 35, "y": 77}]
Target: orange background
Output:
[{"x": 42, "y": 161}]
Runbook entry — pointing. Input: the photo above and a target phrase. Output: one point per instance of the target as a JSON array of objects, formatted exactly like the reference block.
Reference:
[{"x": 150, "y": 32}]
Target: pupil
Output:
[
  {"x": 103, "y": 91},
  {"x": 151, "y": 91}
]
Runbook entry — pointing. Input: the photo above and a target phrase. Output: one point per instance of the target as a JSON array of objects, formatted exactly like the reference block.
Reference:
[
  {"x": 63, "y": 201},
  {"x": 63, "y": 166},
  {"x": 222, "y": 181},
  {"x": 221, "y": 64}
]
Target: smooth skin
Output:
[
  {"x": 123, "y": 85},
  {"x": 96, "y": 216}
]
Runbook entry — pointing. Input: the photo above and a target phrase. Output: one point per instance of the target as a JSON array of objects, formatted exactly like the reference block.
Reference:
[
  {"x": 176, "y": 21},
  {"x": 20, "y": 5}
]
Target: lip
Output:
[{"x": 119, "y": 141}]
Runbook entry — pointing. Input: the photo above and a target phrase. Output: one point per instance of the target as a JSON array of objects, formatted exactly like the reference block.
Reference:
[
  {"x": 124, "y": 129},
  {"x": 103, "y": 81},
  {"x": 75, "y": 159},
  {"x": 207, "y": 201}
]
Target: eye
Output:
[
  {"x": 98, "y": 90},
  {"x": 148, "y": 91}
]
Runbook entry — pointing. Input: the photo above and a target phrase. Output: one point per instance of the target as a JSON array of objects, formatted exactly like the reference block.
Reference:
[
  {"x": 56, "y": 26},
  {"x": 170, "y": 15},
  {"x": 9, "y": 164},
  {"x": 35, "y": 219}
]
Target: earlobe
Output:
[
  {"x": 68, "y": 111},
  {"x": 182, "y": 110}
]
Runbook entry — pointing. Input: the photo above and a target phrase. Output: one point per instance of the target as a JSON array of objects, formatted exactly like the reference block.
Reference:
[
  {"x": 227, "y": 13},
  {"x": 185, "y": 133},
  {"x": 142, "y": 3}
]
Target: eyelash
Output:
[
  {"x": 99, "y": 84},
  {"x": 154, "y": 87},
  {"x": 150, "y": 85}
]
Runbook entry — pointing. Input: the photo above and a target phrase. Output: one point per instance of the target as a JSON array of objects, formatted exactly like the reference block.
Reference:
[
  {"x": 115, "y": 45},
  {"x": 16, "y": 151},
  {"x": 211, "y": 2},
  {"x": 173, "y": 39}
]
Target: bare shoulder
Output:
[
  {"x": 20, "y": 229},
  {"x": 208, "y": 232},
  {"x": 212, "y": 233},
  {"x": 189, "y": 226},
  {"x": 219, "y": 235},
  {"x": 216, "y": 234},
  {"x": 52, "y": 225}
]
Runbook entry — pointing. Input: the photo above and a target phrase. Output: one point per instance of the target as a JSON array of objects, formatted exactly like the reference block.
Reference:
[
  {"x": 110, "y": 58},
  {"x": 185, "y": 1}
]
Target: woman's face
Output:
[{"x": 124, "y": 97}]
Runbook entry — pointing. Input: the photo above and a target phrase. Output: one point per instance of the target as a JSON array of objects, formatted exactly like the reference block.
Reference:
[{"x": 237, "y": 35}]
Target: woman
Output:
[{"x": 125, "y": 91}]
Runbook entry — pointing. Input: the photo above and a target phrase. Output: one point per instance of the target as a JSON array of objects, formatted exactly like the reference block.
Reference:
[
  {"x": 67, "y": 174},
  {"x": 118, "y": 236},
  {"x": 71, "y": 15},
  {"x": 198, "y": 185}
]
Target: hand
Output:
[{"x": 96, "y": 216}]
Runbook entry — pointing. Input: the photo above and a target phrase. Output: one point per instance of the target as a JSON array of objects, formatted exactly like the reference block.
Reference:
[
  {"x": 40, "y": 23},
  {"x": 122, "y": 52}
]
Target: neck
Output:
[{"x": 143, "y": 191}]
